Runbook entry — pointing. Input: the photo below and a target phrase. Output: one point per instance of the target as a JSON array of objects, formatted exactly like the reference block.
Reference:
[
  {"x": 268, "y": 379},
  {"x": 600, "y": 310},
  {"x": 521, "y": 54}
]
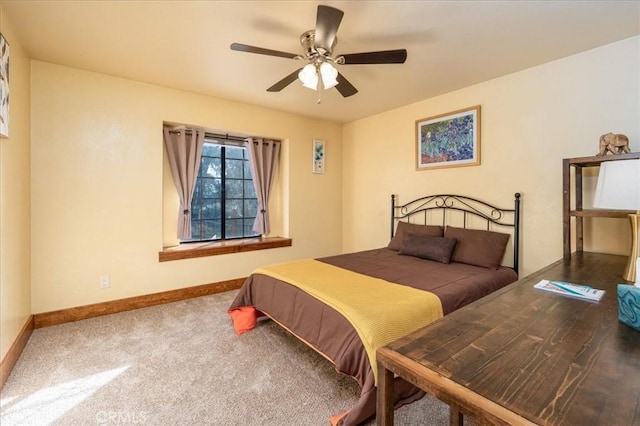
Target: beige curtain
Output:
[
  {"x": 263, "y": 160},
  {"x": 184, "y": 149}
]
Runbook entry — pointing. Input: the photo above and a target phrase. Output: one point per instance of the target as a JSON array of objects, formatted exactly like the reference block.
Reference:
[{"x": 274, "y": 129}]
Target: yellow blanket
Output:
[{"x": 380, "y": 311}]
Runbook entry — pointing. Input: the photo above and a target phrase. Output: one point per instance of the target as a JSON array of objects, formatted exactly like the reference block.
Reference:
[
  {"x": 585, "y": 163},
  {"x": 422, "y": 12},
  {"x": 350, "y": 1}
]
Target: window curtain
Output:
[
  {"x": 184, "y": 150},
  {"x": 263, "y": 160}
]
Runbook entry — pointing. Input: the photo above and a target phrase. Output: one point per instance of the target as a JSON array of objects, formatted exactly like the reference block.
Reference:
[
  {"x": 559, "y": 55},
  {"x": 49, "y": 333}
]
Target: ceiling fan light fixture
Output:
[
  {"x": 320, "y": 72},
  {"x": 329, "y": 75},
  {"x": 311, "y": 73},
  {"x": 309, "y": 76}
]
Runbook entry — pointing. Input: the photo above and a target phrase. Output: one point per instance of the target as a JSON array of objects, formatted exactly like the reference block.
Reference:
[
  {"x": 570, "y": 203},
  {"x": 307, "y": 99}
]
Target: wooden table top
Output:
[{"x": 548, "y": 358}]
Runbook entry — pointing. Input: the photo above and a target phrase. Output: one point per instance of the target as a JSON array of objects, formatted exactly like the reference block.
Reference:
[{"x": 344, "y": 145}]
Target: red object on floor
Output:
[
  {"x": 244, "y": 318},
  {"x": 336, "y": 419}
]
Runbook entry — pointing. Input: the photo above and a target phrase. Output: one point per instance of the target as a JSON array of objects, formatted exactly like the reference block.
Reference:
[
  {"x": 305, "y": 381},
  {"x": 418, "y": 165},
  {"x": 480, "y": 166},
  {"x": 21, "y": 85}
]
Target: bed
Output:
[{"x": 445, "y": 252}]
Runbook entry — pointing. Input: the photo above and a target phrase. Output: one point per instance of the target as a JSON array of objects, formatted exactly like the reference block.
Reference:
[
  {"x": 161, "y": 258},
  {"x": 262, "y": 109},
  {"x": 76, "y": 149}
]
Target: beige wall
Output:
[
  {"x": 97, "y": 186},
  {"x": 15, "y": 290},
  {"x": 531, "y": 120}
]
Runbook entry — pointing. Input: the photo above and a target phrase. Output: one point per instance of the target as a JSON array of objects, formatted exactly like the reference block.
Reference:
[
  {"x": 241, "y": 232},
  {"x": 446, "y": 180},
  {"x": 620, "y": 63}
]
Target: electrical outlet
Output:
[{"x": 104, "y": 281}]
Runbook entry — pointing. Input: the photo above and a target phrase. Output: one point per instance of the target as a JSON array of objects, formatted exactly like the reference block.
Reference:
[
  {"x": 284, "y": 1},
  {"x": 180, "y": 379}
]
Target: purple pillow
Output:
[
  {"x": 478, "y": 247},
  {"x": 404, "y": 228},
  {"x": 428, "y": 247}
]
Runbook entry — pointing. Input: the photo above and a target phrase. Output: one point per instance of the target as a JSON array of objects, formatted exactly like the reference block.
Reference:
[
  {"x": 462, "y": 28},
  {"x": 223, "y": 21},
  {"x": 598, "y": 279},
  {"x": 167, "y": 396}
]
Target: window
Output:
[{"x": 224, "y": 201}]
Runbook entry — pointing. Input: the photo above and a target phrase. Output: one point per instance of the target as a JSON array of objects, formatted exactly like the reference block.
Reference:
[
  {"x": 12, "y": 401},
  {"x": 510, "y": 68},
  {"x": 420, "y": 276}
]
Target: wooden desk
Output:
[{"x": 523, "y": 356}]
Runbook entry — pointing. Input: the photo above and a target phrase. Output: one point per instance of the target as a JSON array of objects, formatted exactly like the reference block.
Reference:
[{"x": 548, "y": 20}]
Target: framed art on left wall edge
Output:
[{"x": 4, "y": 87}]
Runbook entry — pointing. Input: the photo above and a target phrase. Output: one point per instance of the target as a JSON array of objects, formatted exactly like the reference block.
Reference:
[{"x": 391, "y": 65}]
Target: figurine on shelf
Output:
[{"x": 613, "y": 143}]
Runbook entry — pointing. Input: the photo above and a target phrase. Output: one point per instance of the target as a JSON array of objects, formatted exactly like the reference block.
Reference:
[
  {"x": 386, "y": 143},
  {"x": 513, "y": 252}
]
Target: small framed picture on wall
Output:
[{"x": 318, "y": 156}]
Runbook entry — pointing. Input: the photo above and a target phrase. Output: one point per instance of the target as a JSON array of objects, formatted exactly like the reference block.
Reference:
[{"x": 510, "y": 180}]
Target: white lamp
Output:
[
  {"x": 618, "y": 188},
  {"x": 312, "y": 74}
]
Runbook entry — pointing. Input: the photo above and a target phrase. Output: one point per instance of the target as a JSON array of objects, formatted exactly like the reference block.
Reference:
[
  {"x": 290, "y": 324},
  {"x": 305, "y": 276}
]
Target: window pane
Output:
[
  {"x": 211, "y": 229},
  {"x": 234, "y": 228},
  {"x": 234, "y": 152},
  {"x": 233, "y": 189},
  {"x": 240, "y": 204},
  {"x": 195, "y": 210},
  {"x": 250, "y": 208},
  {"x": 211, "y": 150},
  {"x": 210, "y": 209},
  {"x": 233, "y": 169},
  {"x": 248, "y": 225},
  {"x": 233, "y": 209},
  {"x": 210, "y": 188},
  {"x": 211, "y": 167},
  {"x": 195, "y": 230},
  {"x": 249, "y": 189}
]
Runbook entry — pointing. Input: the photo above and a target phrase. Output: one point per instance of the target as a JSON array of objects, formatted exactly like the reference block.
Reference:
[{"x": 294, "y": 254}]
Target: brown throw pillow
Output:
[
  {"x": 428, "y": 247},
  {"x": 478, "y": 247},
  {"x": 404, "y": 228}
]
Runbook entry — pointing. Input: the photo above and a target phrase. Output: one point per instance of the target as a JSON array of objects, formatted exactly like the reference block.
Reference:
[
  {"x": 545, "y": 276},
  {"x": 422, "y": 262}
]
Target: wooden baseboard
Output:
[
  {"x": 47, "y": 319},
  {"x": 12, "y": 356}
]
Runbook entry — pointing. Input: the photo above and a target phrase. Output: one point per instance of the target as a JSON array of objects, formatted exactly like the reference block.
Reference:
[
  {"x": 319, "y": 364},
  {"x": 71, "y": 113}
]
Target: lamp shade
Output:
[
  {"x": 329, "y": 75},
  {"x": 311, "y": 73},
  {"x": 618, "y": 186},
  {"x": 309, "y": 76}
]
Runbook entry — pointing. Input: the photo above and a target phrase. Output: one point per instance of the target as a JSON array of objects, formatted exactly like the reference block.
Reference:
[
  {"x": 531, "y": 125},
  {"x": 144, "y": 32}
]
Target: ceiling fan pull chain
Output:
[{"x": 320, "y": 85}]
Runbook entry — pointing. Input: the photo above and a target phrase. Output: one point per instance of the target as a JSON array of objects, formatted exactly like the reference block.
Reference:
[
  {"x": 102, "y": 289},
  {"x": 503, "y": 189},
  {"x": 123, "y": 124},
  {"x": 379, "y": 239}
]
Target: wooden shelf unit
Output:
[{"x": 578, "y": 212}]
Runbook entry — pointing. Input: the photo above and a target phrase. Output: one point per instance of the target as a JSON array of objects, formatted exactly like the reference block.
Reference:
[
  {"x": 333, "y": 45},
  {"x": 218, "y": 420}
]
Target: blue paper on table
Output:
[
  {"x": 579, "y": 291},
  {"x": 629, "y": 305}
]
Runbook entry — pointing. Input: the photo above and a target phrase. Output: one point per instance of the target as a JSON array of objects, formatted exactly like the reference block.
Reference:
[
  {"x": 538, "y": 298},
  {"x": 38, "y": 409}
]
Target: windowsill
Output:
[{"x": 203, "y": 249}]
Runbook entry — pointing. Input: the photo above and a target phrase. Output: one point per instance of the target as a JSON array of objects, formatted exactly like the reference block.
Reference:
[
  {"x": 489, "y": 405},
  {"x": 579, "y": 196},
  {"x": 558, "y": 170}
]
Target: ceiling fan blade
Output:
[
  {"x": 382, "y": 57},
  {"x": 261, "y": 51},
  {"x": 345, "y": 88},
  {"x": 284, "y": 82},
  {"x": 327, "y": 22}
]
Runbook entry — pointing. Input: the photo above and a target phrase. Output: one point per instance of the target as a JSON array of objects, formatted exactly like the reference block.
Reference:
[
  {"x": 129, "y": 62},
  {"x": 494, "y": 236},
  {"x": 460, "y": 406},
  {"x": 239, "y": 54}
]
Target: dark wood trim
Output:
[
  {"x": 566, "y": 208},
  {"x": 616, "y": 214},
  {"x": 596, "y": 160},
  {"x": 46, "y": 319},
  {"x": 578, "y": 204},
  {"x": 193, "y": 250},
  {"x": 12, "y": 356}
]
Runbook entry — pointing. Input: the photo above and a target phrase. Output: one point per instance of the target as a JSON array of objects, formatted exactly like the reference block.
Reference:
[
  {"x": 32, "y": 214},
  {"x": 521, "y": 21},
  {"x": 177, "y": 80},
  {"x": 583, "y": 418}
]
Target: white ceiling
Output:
[{"x": 185, "y": 44}]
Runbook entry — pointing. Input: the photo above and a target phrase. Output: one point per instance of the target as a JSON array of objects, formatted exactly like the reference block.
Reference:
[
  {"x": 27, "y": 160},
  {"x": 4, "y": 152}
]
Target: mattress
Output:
[{"x": 332, "y": 335}]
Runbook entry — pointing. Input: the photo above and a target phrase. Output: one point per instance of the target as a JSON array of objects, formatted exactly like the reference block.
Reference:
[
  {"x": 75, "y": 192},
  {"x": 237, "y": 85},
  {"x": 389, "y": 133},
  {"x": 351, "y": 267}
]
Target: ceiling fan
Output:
[{"x": 320, "y": 72}]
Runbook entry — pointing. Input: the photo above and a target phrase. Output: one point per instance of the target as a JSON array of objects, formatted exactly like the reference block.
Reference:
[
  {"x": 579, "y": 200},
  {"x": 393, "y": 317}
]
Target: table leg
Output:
[
  {"x": 384, "y": 409},
  {"x": 455, "y": 417}
]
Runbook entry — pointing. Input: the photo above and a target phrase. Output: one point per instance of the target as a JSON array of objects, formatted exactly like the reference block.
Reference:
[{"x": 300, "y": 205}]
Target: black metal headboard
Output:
[{"x": 466, "y": 206}]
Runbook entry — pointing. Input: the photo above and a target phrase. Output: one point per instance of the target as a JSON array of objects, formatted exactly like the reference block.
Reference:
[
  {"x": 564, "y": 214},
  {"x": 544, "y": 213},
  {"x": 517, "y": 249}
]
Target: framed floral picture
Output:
[
  {"x": 4, "y": 87},
  {"x": 318, "y": 156},
  {"x": 449, "y": 140}
]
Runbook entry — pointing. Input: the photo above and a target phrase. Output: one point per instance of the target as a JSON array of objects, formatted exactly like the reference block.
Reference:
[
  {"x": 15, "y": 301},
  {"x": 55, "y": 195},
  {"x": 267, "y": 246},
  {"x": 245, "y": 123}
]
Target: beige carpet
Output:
[{"x": 180, "y": 364}]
